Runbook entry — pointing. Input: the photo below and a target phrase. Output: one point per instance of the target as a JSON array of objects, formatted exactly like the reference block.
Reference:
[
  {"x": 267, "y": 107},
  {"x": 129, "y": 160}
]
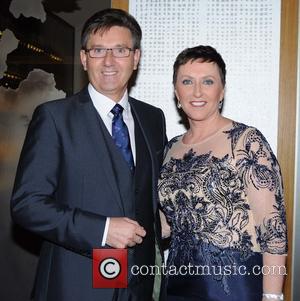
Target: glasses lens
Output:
[
  {"x": 116, "y": 52},
  {"x": 97, "y": 52},
  {"x": 120, "y": 52}
]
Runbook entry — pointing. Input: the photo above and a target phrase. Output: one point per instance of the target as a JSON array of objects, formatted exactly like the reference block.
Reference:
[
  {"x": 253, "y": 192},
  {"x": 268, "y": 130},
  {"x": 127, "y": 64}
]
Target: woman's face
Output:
[{"x": 199, "y": 89}]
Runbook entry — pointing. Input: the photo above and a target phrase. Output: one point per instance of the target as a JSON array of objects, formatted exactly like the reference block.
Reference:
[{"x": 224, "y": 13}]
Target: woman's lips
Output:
[{"x": 198, "y": 103}]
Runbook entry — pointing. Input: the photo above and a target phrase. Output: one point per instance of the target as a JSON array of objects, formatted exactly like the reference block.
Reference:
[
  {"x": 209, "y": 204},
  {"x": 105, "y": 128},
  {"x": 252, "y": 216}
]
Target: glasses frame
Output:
[{"x": 108, "y": 49}]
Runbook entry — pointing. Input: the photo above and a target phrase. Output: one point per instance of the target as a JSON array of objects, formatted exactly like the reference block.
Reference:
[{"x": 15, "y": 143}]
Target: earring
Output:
[
  {"x": 179, "y": 105},
  {"x": 221, "y": 104}
]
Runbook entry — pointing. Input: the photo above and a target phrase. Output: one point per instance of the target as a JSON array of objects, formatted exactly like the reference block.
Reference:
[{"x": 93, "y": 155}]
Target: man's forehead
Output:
[
  {"x": 113, "y": 36},
  {"x": 110, "y": 29}
]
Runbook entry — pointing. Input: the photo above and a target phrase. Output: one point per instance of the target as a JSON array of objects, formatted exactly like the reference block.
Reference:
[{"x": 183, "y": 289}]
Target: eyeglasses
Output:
[{"x": 97, "y": 52}]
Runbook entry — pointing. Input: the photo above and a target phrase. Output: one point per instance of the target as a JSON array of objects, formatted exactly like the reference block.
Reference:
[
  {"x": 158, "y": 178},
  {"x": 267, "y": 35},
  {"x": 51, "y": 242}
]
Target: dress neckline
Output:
[{"x": 207, "y": 138}]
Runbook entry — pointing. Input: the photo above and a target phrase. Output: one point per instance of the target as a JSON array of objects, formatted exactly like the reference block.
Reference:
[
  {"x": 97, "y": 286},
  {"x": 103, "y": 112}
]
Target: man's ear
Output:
[
  {"x": 83, "y": 57},
  {"x": 136, "y": 58}
]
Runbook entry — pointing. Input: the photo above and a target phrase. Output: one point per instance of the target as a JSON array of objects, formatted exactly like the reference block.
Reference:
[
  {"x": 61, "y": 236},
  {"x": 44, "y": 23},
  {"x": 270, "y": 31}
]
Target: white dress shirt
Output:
[{"x": 104, "y": 105}]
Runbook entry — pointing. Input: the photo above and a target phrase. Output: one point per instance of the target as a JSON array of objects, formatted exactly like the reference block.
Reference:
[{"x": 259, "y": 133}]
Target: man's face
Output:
[{"x": 109, "y": 75}]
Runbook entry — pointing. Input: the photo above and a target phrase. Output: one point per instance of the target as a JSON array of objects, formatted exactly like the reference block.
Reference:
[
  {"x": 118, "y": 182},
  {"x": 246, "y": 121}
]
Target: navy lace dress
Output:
[{"x": 223, "y": 199}]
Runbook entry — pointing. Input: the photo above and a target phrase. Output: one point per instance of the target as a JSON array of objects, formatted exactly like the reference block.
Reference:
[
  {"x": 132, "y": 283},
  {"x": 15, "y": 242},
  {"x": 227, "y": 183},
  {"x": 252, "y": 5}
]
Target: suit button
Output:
[{"x": 137, "y": 191}]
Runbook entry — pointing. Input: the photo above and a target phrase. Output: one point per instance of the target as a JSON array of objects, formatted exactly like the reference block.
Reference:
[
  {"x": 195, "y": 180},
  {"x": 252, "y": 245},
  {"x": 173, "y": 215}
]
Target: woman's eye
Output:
[
  {"x": 186, "y": 81},
  {"x": 208, "y": 82}
]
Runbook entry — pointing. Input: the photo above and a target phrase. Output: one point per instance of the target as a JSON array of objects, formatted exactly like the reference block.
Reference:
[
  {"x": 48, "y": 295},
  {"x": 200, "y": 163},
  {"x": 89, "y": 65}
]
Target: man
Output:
[{"x": 85, "y": 179}]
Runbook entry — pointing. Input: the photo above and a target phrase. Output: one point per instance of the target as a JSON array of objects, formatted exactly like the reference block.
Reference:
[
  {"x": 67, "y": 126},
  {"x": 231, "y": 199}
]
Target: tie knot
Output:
[{"x": 117, "y": 109}]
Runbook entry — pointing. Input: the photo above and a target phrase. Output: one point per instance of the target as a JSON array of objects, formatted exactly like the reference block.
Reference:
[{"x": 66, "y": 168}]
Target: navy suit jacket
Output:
[{"x": 65, "y": 187}]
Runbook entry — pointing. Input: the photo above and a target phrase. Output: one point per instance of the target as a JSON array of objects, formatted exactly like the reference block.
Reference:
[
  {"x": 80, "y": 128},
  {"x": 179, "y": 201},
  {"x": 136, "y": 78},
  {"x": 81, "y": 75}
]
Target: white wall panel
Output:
[{"x": 245, "y": 32}]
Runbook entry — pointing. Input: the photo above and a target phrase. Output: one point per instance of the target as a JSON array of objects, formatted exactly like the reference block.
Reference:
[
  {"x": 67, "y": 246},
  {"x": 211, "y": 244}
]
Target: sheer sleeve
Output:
[{"x": 260, "y": 172}]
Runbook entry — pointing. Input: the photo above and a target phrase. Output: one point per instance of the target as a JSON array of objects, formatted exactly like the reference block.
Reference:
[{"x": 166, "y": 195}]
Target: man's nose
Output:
[{"x": 108, "y": 58}]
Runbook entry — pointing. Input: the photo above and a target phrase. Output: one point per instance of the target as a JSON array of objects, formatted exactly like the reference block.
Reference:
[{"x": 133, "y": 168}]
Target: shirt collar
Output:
[{"x": 104, "y": 104}]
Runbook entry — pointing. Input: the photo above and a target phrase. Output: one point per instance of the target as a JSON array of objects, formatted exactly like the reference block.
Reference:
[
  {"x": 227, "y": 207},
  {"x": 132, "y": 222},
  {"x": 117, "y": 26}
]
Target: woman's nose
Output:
[{"x": 197, "y": 89}]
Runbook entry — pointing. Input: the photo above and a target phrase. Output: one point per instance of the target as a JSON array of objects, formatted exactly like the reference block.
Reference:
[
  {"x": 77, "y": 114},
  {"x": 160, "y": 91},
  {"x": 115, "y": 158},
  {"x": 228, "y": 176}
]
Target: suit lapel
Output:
[
  {"x": 140, "y": 118},
  {"x": 91, "y": 121}
]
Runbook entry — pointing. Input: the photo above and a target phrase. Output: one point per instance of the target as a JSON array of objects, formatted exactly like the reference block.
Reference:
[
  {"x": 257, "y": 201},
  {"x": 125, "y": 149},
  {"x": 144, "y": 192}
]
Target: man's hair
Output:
[
  {"x": 203, "y": 54},
  {"x": 107, "y": 18}
]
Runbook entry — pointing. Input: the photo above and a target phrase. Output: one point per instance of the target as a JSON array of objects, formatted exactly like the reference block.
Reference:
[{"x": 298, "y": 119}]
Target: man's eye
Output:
[
  {"x": 208, "y": 82},
  {"x": 120, "y": 50},
  {"x": 98, "y": 50},
  {"x": 187, "y": 82}
]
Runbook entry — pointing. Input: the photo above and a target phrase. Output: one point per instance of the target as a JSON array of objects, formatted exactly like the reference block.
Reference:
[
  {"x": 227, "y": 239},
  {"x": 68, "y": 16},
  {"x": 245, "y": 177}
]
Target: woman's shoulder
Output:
[
  {"x": 248, "y": 135},
  {"x": 239, "y": 129},
  {"x": 174, "y": 140}
]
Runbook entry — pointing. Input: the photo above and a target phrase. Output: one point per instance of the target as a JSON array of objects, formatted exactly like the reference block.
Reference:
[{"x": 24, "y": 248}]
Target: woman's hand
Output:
[{"x": 273, "y": 278}]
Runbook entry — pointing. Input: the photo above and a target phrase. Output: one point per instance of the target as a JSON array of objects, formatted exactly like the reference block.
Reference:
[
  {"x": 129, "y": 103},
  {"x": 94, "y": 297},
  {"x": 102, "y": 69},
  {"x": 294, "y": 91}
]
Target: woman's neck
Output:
[{"x": 200, "y": 130}]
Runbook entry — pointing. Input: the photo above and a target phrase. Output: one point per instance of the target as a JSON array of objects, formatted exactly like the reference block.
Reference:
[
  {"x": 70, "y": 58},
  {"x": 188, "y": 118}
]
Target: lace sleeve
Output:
[{"x": 260, "y": 171}]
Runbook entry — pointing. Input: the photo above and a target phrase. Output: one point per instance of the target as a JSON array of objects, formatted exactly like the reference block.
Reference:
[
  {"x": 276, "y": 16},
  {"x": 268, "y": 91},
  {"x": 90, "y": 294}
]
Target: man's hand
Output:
[{"x": 124, "y": 232}]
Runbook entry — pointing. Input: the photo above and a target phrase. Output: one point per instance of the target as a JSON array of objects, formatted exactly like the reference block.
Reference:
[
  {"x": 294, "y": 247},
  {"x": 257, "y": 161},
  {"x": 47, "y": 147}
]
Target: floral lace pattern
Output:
[{"x": 214, "y": 200}]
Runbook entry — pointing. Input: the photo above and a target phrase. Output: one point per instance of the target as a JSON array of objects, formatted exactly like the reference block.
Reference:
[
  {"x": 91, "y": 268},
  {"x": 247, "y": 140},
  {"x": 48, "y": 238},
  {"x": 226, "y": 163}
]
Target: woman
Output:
[{"x": 221, "y": 191}]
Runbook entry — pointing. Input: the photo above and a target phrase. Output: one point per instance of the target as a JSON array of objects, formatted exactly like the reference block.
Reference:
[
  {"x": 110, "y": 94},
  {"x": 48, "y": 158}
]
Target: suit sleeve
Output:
[{"x": 35, "y": 204}]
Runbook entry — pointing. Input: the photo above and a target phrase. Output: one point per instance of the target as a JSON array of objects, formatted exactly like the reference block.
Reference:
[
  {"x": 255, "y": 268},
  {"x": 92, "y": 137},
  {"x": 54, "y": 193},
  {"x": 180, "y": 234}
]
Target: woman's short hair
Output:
[{"x": 202, "y": 53}]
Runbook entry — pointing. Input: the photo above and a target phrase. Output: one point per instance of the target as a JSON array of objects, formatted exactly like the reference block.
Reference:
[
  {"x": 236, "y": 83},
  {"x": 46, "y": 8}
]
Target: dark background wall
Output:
[{"x": 56, "y": 77}]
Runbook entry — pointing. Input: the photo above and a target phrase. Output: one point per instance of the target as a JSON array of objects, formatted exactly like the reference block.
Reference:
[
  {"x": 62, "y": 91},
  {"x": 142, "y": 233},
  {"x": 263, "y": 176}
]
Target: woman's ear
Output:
[
  {"x": 176, "y": 94},
  {"x": 222, "y": 95}
]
